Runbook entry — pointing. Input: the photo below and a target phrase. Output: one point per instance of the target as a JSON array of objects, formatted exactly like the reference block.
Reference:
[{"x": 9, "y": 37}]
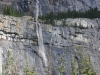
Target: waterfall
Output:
[{"x": 42, "y": 52}]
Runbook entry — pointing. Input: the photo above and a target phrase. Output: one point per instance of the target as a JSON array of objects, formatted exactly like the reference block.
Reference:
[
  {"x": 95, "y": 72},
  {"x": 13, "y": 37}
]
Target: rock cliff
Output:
[
  {"x": 47, "y": 6},
  {"x": 68, "y": 47}
]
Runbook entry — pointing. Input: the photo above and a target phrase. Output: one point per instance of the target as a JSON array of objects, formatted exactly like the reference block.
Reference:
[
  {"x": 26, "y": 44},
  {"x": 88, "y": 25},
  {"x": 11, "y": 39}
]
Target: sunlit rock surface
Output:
[{"x": 18, "y": 37}]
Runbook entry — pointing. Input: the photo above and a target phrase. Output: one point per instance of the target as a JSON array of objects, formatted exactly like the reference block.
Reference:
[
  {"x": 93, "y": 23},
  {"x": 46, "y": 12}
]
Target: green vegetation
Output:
[
  {"x": 11, "y": 65},
  {"x": 9, "y": 10},
  {"x": 74, "y": 70},
  {"x": 84, "y": 63},
  {"x": 9, "y": 68},
  {"x": 49, "y": 18},
  {"x": 88, "y": 69},
  {"x": 61, "y": 67},
  {"x": 3, "y": 70},
  {"x": 29, "y": 71}
]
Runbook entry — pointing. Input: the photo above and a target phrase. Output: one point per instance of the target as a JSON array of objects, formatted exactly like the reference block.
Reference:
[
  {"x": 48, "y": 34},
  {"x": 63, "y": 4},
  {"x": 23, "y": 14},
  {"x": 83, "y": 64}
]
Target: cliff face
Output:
[
  {"x": 47, "y": 6},
  {"x": 70, "y": 46}
]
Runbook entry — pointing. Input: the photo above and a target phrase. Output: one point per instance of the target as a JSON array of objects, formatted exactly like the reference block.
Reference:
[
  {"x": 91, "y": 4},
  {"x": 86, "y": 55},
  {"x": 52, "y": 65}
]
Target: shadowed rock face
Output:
[
  {"x": 69, "y": 46},
  {"x": 47, "y": 6}
]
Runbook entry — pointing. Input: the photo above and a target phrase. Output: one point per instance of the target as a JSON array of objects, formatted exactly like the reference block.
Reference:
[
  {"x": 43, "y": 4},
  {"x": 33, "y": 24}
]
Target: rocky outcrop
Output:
[{"x": 69, "y": 48}]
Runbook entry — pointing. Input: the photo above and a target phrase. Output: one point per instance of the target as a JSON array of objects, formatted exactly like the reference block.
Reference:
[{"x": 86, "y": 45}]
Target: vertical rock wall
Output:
[{"x": 67, "y": 48}]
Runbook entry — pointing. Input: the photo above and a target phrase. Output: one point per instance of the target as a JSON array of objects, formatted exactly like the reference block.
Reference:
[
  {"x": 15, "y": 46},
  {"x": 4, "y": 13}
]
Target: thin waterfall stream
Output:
[{"x": 41, "y": 48}]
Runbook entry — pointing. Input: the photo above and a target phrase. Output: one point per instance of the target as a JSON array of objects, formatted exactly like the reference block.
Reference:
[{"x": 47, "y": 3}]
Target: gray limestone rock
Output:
[{"x": 62, "y": 46}]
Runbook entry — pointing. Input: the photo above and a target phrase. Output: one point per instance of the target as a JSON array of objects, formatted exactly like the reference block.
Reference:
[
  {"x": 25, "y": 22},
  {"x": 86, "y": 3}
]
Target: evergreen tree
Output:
[{"x": 9, "y": 10}]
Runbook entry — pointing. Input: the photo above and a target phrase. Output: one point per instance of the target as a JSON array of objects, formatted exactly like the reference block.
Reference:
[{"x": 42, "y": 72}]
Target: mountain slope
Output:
[
  {"x": 47, "y": 6},
  {"x": 59, "y": 49}
]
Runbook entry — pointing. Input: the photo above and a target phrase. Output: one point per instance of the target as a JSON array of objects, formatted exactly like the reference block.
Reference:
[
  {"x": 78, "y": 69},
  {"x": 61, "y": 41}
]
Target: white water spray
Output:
[{"x": 42, "y": 52}]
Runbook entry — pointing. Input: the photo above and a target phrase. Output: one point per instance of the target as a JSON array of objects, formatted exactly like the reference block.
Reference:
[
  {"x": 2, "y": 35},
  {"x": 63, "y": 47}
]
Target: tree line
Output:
[
  {"x": 9, "y": 10},
  {"x": 91, "y": 13}
]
